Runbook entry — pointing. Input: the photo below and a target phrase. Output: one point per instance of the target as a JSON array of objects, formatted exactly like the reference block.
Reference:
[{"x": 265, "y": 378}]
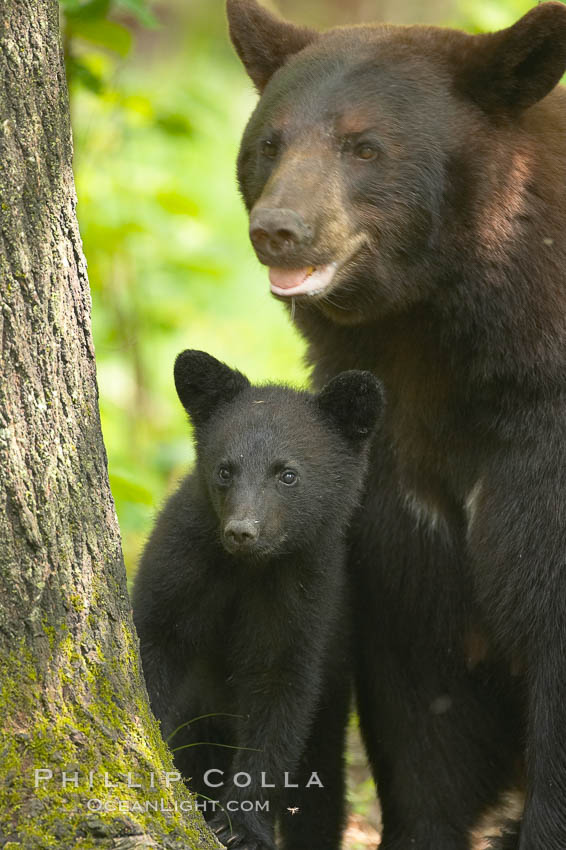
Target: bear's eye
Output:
[
  {"x": 224, "y": 474},
  {"x": 288, "y": 477},
  {"x": 269, "y": 148},
  {"x": 365, "y": 151}
]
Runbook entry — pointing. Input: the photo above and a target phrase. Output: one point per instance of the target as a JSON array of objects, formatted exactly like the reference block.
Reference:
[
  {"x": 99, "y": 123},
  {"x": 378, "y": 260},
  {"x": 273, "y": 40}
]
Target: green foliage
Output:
[
  {"x": 170, "y": 267},
  {"x": 98, "y": 10},
  {"x": 489, "y": 15},
  {"x": 93, "y": 23}
]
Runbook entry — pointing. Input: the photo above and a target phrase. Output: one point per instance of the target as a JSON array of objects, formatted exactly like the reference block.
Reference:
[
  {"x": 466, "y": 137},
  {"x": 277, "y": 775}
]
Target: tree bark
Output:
[{"x": 72, "y": 696}]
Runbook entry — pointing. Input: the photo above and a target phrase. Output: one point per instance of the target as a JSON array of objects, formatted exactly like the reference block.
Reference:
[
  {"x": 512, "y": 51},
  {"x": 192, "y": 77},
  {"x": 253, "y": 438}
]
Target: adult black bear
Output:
[
  {"x": 239, "y": 600},
  {"x": 407, "y": 188}
]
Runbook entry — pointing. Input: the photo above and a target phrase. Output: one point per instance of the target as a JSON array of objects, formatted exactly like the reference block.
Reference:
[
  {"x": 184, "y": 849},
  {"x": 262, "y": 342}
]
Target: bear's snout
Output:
[
  {"x": 277, "y": 232},
  {"x": 240, "y": 534}
]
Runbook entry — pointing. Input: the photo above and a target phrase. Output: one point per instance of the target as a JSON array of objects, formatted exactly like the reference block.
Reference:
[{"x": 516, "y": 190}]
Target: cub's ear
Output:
[
  {"x": 203, "y": 384},
  {"x": 510, "y": 70},
  {"x": 262, "y": 41},
  {"x": 353, "y": 401}
]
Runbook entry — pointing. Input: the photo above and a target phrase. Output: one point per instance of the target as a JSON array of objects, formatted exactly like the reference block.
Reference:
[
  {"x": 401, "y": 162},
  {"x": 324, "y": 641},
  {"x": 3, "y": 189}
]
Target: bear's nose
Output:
[
  {"x": 278, "y": 231},
  {"x": 241, "y": 532}
]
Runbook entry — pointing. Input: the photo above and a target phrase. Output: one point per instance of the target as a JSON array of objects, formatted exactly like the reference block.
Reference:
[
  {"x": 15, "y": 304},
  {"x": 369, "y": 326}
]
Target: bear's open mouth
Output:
[
  {"x": 308, "y": 281},
  {"x": 311, "y": 280}
]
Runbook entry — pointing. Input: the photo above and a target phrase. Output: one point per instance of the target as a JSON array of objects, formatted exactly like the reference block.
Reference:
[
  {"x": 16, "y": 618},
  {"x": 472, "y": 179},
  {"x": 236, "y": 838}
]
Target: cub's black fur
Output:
[{"x": 239, "y": 600}]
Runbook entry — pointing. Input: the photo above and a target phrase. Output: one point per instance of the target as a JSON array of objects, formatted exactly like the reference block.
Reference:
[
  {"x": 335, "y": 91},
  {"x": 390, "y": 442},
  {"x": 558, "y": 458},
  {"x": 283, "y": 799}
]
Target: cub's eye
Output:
[
  {"x": 269, "y": 148},
  {"x": 365, "y": 151},
  {"x": 224, "y": 474},
  {"x": 288, "y": 477}
]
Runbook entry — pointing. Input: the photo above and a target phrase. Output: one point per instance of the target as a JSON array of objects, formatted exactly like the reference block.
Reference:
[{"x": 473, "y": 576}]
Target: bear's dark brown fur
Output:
[{"x": 422, "y": 173}]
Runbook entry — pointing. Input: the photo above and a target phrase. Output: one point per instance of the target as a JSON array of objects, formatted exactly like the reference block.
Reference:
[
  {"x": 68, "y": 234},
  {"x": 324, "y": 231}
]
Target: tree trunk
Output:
[{"x": 72, "y": 697}]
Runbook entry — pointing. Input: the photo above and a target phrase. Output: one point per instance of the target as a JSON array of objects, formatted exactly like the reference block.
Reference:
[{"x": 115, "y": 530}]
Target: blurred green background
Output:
[{"x": 158, "y": 103}]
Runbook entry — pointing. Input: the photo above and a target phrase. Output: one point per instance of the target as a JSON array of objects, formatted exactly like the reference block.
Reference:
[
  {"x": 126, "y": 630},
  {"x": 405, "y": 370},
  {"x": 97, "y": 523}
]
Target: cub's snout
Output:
[{"x": 240, "y": 535}]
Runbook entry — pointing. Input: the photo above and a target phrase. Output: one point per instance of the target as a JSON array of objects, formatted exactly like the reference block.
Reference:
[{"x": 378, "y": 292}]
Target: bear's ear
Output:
[
  {"x": 262, "y": 41},
  {"x": 510, "y": 70},
  {"x": 353, "y": 402},
  {"x": 203, "y": 384}
]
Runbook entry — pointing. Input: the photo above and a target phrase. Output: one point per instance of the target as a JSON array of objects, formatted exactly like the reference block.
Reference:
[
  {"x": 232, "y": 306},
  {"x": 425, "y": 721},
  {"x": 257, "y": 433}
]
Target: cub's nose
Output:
[
  {"x": 276, "y": 232},
  {"x": 241, "y": 533}
]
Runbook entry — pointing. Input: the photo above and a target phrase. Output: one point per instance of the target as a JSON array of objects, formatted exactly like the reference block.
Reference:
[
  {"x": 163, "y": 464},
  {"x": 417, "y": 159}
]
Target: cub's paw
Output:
[{"x": 242, "y": 835}]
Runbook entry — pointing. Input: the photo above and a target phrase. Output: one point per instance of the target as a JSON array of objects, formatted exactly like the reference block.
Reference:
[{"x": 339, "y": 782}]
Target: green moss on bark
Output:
[{"x": 71, "y": 740}]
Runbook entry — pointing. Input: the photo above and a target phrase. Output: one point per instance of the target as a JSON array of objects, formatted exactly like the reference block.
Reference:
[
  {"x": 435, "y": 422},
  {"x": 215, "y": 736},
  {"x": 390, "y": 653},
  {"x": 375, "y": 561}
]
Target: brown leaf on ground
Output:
[{"x": 360, "y": 834}]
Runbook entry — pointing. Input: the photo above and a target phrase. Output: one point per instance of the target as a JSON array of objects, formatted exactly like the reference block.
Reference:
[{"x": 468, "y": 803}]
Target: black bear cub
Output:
[{"x": 240, "y": 601}]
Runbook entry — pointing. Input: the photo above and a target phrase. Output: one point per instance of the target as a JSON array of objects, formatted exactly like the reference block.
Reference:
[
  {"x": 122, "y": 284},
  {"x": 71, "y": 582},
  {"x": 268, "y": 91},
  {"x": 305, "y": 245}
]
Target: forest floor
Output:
[{"x": 364, "y": 822}]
